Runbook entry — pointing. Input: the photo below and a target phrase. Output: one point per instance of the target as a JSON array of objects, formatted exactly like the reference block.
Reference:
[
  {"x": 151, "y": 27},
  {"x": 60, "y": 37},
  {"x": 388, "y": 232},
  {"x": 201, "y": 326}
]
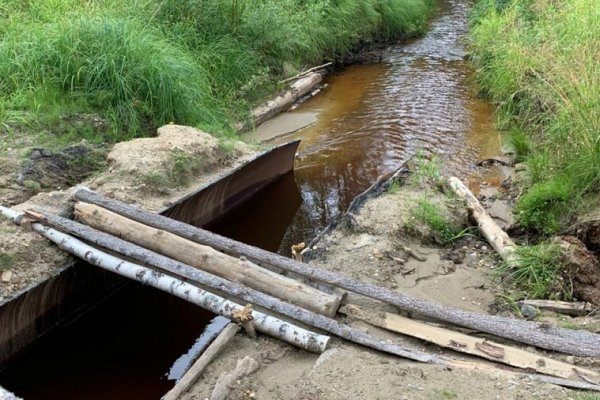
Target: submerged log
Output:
[
  {"x": 580, "y": 343},
  {"x": 208, "y": 259},
  {"x": 192, "y": 374},
  {"x": 230, "y": 288},
  {"x": 499, "y": 240},
  {"x": 265, "y": 323}
]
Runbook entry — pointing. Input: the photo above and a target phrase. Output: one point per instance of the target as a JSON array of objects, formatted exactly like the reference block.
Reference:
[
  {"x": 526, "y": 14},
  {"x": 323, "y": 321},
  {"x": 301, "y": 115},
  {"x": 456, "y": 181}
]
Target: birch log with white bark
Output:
[
  {"x": 576, "y": 342},
  {"x": 208, "y": 259},
  {"x": 499, "y": 240},
  {"x": 230, "y": 288},
  {"x": 265, "y": 323}
]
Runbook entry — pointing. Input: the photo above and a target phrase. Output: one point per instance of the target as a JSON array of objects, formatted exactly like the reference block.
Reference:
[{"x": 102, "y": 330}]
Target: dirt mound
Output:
[{"x": 150, "y": 154}]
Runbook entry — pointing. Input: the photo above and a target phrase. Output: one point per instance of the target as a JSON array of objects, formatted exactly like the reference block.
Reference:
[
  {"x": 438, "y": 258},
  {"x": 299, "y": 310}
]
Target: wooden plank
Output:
[
  {"x": 562, "y": 307},
  {"x": 472, "y": 345},
  {"x": 208, "y": 259},
  {"x": 192, "y": 374}
]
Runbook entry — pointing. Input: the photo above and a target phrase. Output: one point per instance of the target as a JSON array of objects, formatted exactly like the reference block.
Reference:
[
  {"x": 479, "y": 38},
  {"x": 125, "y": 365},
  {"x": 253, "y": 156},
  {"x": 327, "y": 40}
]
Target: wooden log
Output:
[
  {"x": 471, "y": 345},
  {"x": 308, "y": 71},
  {"x": 499, "y": 240},
  {"x": 561, "y": 307},
  {"x": 296, "y": 90},
  {"x": 224, "y": 385},
  {"x": 192, "y": 374},
  {"x": 230, "y": 288},
  {"x": 265, "y": 323},
  {"x": 576, "y": 342},
  {"x": 206, "y": 258}
]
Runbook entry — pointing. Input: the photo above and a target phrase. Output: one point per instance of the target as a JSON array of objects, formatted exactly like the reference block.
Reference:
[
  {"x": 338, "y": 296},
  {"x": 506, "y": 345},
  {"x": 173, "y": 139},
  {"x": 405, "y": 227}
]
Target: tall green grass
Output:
[
  {"x": 538, "y": 60},
  {"x": 199, "y": 62}
]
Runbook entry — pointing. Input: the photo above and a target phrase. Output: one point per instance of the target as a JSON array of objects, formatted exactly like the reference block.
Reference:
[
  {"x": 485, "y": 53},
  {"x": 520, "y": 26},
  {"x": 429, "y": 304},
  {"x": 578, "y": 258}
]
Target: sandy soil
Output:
[{"x": 369, "y": 250}]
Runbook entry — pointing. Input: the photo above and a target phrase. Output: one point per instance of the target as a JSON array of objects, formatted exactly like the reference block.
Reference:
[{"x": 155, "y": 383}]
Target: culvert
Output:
[{"x": 87, "y": 333}]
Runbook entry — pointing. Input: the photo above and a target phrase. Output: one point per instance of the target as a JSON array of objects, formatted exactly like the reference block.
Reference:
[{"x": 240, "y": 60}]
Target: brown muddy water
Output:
[{"x": 372, "y": 118}]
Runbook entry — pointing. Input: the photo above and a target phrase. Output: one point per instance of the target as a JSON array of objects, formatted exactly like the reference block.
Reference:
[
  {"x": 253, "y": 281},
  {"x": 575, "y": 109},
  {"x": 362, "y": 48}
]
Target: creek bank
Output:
[{"x": 385, "y": 244}]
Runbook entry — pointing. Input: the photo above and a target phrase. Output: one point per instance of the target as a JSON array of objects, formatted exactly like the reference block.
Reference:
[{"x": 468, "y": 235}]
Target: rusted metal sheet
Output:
[{"x": 216, "y": 199}]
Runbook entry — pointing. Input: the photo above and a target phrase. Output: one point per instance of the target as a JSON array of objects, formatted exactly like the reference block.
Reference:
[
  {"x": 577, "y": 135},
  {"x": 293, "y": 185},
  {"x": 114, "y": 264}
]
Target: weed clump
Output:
[
  {"x": 537, "y": 272},
  {"x": 538, "y": 61}
]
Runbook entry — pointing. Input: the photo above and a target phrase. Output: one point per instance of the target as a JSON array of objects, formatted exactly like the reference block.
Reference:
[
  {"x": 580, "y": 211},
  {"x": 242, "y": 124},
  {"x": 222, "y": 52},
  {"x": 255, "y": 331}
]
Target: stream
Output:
[{"x": 368, "y": 121}]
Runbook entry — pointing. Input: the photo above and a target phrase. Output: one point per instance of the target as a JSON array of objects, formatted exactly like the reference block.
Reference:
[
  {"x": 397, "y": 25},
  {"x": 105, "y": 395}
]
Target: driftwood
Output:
[
  {"x": 264, "y": 323},
  {"x": 580, "y": 343},
  {"x": 472, "y": 345},
  {"x": 192, "y": 374},
  {"x": 499, "y": 240},
  {"x": 296, "y": 90},
  {"x": 230, "y": 288},
  {"x": 209, "y": 259},
  {"x": 224, "y": 385},
  {"x": 308, "y": 71},
  {"x": 562, "y": 307}
]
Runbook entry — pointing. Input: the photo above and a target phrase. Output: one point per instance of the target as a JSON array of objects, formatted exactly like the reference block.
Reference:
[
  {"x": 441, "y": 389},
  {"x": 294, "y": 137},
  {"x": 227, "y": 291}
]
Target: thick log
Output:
[
  {"x": 230, "y": 288},
  {"x": 192, "y": 374},
  {"x": 471, "y": 345},
  {"x": 576, "y": 342},
  {"x": 224, "y": 385},
  {"x": 499, "y": 240},
  {"x": 208, "y": 259},
  {"x": 562, "y": 307},
  {"x": 265, "y": 323}
]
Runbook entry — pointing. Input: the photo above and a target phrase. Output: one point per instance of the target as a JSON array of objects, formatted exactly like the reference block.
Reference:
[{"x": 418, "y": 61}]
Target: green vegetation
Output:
[
  {"x": 444, "y": 231},
  {"x": 32, "y": 186},
  {"x": 537, "y": 273},
  {"x": 449, "y": 393},
  {"x": 144, "y": 63},
  {"x": 538, "y": 60},
  {"x": 6, "y": 261}
]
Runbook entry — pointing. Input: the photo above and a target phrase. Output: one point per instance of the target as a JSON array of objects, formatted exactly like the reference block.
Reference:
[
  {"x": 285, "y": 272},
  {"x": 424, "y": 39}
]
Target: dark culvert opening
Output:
[{"x": 130, "y": 341}]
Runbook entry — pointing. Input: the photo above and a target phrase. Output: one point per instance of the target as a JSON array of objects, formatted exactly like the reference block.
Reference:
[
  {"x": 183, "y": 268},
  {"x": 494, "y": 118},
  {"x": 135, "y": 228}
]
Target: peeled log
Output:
[
  {"x": 296, "y": 90},
  {"x": 499, "y": 240},
  {"x": 208, "y": 259},
  {"x": 576, "y": 342}
]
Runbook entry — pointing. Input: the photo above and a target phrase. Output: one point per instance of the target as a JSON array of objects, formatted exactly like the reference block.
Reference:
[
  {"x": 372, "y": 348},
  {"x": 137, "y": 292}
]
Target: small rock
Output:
[
  {"x": 6, "y": 276},
  {"x": 529, "y": 312},
  {"x": 570, "y": 359}
]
